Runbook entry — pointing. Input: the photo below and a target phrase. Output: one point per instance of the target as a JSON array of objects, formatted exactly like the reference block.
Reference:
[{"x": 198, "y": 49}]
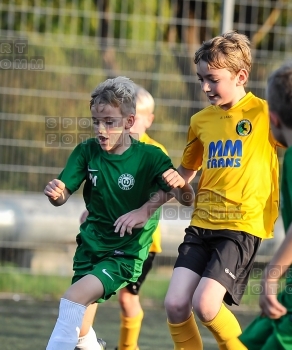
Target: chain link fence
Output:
[{"x": 54, "y": 53}]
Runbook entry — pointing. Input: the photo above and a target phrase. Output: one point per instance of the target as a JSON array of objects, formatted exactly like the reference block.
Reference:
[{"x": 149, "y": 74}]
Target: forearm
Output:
[
  {"x": 281, "y": 260},
  {"x": 187, "y": 174},
  {"x": 179, "y": 180},
  {"x": 184, "y": 195},
  {"x": 138, "y": 218},
  {"x": 283, "y": 256},
  {"x": 156, "y": 201}
]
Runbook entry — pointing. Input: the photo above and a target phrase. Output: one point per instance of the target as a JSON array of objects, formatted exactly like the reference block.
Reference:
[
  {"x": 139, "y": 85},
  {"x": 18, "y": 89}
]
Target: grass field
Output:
[
  {"x": 50, "y": 287},
  {"x": 29, "y": 309},
  {"x": 27, "y": 325}
]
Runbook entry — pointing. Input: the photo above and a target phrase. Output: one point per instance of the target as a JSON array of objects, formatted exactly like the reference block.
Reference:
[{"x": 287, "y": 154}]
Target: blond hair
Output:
[
  {"x": 144, "y": 99},
  {"x": 118, "y": 92},
  {"x": 279, "y": 93},
  {"x": 230, "y": 50}
]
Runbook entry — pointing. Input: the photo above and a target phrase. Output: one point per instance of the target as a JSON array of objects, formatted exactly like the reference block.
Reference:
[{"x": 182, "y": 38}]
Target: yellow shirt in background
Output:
[
  {"x": 238, "y": 187},
  {"x": 156, "y": 244}
]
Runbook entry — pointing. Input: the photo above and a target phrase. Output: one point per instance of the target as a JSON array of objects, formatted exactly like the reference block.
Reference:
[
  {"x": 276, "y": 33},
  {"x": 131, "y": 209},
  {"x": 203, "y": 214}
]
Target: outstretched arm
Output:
[
  {"x": 181, "y": 190},
  {"x": 138, "y": 218},
  {"x": 179, "y": 180},
  {"x": 281, "y": 261},
  {"x": 57, "y": 193}
]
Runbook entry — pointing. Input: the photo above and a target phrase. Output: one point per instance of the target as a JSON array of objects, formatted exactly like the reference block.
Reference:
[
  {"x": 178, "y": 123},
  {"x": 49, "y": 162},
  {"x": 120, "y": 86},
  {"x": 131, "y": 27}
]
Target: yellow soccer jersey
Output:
[
  {"x": 238, "y": 187},
  {"x": 156, "y": 244}
]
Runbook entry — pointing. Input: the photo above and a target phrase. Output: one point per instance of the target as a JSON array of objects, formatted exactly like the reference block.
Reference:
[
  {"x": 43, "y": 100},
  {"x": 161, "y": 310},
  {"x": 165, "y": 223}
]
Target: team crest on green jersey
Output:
[
  {"x": 243, "y": 128},
  {"x": 126, "y": 182}
]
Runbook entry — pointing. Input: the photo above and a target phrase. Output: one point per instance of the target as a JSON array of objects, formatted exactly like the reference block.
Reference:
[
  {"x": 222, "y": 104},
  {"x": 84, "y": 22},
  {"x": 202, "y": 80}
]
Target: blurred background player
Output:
[
  {"x": 273, "y": 329},
  {"x": 131, "y": 310}
]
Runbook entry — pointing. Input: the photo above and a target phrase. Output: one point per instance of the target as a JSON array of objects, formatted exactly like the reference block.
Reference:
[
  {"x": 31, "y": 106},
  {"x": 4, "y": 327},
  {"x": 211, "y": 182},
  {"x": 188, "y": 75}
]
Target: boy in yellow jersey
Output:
[
  {"x": 132, "y": 313},
  {"x": 237, "y": 200},
  {"x": 273, "y": 329}
]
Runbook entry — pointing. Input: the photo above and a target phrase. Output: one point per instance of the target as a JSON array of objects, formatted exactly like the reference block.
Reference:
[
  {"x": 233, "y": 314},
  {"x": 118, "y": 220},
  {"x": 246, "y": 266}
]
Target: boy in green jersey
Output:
[
  {"x": 121, "y": 175},
  {"x": 273, "y": 329},
  {"x": 131, "y": 310}
]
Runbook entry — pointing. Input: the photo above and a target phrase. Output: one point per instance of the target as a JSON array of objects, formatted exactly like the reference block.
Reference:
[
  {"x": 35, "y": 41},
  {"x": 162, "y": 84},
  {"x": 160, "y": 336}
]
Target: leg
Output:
[
  {"x": 131, "y": 320},
  {"x": 235, "y": 250},
  {"x": 85, "y": 291},
  {"x": 66, "y": 331},
  {"x": 208, "y": 290},
  {"x": 178, "y": 303},
  {"x": 88, "y": 319},
  {"x": 130, "y": 303},
  {"x": 72, "y": 309},
  {"x": 214, "y": 315},
  {"x": 132, "y": 313},
  {"x": 87, "y": 338}
]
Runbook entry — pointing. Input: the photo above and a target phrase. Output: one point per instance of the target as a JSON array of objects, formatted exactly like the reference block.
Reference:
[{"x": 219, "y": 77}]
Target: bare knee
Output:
[
  {"x": 125, "y": 300},
  {"x": 130, "y": 303},
  {"x": 208, "y": 298},
  {"x": 178, "y": 309},
  {"x": 204, "y": 309}
]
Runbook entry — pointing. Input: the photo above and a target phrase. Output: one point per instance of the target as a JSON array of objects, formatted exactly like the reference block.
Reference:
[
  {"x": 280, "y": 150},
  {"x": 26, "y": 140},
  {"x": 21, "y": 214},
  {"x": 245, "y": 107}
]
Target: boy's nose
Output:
[
  {"x": 205, "y": 87},
  {"x": 101, "y": 127}
]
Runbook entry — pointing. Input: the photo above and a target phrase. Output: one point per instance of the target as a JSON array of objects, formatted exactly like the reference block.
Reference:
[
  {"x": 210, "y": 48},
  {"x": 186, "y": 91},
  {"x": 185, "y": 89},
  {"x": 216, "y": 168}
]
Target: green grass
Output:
[
  {"x": 48, "y": 287},
  {"x": 36, "y": 286}
]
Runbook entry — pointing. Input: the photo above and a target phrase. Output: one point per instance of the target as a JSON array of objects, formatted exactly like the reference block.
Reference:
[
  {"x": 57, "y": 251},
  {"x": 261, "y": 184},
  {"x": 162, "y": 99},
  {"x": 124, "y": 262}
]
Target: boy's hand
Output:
[
  {"x": 54, "y": 189},
  {"x": 134, "y": 219},
  {"x": 173, "y": 179},
  {"x": 268, "y": 300}
]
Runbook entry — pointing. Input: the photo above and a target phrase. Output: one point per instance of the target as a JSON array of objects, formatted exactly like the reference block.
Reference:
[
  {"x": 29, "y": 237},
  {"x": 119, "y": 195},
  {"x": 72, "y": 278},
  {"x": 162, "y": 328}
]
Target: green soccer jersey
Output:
[{"x": 114, "y": 185}]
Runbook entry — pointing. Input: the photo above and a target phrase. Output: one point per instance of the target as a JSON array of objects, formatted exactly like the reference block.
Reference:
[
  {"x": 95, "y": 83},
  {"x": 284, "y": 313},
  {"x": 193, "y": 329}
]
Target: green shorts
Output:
[
  {"x": 114, "y": 272},
  {"x": 267, "y": 334}
]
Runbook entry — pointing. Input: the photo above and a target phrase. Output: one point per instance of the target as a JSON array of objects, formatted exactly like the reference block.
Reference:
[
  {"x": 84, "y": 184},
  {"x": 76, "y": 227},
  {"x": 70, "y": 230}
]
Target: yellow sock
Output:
[
  {"x": 225, "y": 329},
  {"x": 235, "y": 343},
  {"x": 186, "y": 335},
  {"x": 129, "y": 331}
]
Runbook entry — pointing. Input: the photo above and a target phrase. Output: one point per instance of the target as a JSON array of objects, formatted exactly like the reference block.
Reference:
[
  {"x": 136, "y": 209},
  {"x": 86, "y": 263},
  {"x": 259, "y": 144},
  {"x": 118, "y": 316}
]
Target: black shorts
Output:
[
  {"x": 134, "y": 287},
  {"x": 225, "y": 256}
]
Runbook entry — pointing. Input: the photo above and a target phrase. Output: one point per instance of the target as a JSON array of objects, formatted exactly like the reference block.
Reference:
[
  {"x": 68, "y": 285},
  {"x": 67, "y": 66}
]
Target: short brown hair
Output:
[
  {"x": 118, "y": 92},
  {"x": 230, "y": 50}
]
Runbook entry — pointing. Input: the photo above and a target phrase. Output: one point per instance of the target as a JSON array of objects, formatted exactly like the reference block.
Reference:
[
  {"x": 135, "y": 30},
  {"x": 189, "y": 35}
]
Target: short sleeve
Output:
[
  {"x": 193, "y": 153},
  {"x": 75, "y": 170},
  {"x": 161, "y": 163}
]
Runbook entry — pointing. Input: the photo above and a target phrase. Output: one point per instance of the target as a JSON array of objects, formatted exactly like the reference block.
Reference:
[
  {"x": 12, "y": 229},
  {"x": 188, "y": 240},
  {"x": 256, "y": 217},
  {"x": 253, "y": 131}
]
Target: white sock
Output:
[
  {"x": 88, "y": 342},
  {"x": 66, "y": 332}
]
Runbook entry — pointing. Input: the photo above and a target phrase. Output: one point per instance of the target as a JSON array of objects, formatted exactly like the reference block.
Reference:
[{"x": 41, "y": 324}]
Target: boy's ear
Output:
[
  {"x": 274, "y": 118},
  {"x": 150, "y": 118},
  {"x": 130, "y": 121},
  {"x": 242, "y": 77}
]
